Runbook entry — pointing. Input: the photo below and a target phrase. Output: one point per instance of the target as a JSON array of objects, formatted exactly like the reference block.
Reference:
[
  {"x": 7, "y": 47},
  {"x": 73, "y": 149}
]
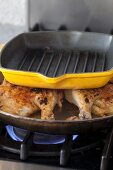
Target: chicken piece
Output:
[
  {"x": 83, "y": 99},
  {"x": 97, "y": 101},
  {"x": 17, "y": 100},
  {"x": 103, "y": 105},
  {"x": 6, "y": 83},
  {"x": 46, "y": 100},
  {"x": 25, "y": 101}
]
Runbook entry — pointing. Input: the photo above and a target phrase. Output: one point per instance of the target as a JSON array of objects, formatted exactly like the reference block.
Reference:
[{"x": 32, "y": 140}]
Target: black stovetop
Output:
[{"x": 87, "y": 161}]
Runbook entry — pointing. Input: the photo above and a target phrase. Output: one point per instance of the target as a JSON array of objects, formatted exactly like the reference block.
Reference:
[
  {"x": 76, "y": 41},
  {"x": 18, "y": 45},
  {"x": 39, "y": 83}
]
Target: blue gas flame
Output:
[{"x": 39, "y": 138}]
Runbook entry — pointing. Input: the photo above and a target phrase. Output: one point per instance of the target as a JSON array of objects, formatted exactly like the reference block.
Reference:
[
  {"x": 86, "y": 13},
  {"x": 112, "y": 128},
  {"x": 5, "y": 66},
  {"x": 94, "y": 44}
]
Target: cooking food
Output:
[
  {"x": 25, "y": 101},
  {"x": 92, "y": 101}
]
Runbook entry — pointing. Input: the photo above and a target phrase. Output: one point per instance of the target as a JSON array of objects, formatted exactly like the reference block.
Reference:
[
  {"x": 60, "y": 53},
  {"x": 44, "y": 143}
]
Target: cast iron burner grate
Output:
[{"x": 27, "y": 149}]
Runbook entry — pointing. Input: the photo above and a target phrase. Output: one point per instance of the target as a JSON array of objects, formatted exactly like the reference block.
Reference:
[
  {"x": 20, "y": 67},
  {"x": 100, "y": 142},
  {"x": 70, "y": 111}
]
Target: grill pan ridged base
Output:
[
  {"x": 58, "y": 60},
  {"x": 54, "y": 63}
]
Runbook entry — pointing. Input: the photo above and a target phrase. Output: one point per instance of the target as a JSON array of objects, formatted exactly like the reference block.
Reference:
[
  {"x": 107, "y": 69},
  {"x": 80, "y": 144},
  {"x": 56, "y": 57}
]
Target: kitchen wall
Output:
[
  {"x": 13, "y": 14},
  {"x": 75, "y": 14}
]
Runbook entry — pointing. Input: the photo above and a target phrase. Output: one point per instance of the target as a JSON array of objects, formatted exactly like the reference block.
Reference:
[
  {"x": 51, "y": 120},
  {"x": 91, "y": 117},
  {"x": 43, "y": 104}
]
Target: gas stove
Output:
[
  {"x": 22, "y": 149},
  {"x": 27, "y": 149}
]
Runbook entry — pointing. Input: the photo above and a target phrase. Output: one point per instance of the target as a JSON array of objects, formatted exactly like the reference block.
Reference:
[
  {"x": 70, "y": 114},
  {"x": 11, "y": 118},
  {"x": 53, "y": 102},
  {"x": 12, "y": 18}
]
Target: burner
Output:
[
  {"x": 33, "y": 147},
  {"x": 18, "y": 134}
]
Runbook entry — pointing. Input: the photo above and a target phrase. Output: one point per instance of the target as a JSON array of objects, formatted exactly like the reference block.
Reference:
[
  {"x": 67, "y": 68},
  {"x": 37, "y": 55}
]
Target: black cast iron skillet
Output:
[{"x": 59, "y": 126}]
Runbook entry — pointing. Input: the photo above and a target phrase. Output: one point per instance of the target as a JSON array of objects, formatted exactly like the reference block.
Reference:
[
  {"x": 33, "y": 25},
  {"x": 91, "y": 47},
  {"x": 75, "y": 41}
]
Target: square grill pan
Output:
[{"x": 58, "y": 56}]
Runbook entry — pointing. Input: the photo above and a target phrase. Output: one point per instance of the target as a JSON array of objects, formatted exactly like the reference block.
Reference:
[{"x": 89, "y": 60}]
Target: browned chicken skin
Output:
[
  {"x": 25, "y": 101},
  {"x": 97, "y": 101}
]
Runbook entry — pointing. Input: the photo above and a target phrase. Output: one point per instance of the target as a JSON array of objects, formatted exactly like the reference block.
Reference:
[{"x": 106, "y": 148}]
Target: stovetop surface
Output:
[{"x": 86, "y": 160}]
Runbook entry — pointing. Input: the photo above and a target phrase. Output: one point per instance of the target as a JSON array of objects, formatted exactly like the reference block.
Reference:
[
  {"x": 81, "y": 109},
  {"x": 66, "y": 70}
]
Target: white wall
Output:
[{"x": 13, "y": 12}]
